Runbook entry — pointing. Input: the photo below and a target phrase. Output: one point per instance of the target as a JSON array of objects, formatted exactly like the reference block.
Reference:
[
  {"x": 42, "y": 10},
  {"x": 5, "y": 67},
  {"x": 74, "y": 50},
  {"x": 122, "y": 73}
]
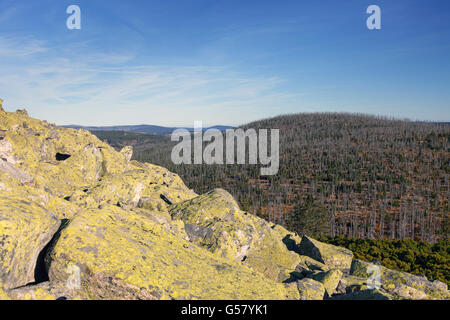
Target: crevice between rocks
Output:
[
  {"x": 41, "y": 268},
  {"x": 62, "y": 156},
  {"x": 166, "y": 200}
]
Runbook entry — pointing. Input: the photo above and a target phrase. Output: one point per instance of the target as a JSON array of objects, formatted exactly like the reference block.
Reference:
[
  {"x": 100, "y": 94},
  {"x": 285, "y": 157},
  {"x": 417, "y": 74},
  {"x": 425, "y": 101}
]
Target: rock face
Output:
[
  {"x": 399, "y": 284},
  {"x": 142, "y": 259},
  {"x": 25, "y": 229},
  {"x": 79, "y": 220},
  {"x": 215, "y": 222},
  {"x": 310, "y": 289},
  {"x": 330, "y": 280},
  {"x": 337, "y": 257}
]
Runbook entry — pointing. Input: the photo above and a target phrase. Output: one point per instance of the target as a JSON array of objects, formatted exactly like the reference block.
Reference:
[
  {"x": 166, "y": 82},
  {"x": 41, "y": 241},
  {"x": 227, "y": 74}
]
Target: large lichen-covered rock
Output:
[
  {"x": 350, "y": 283},
  {"x": 214, "y": 221},
  {"x": 330, "y": 280},
  {"x": 366, "y": 294},
  {"x": 60, "y": 160},
  {"x": 76, "y": 166},
  {"x": 13, "y": 189},
  {"x": 25, "y": 229},
  {"x": 100, "y": 248},
  {"x": 230, "y": 234},
  {"x": 310, "y": 289},
  {"x": 308, "y": 266},
  {"x": 332, "y": 256},
  {"x": 42, "y": 291},
  {"x": 400, "y": 284},
  {"x": 269, "y": 254},
  {"x": 127, "y": 152},
  {"x": 145, "y": 186},
  {"x": 13, "y": 171},
  {"x": 8, "y": 161}
]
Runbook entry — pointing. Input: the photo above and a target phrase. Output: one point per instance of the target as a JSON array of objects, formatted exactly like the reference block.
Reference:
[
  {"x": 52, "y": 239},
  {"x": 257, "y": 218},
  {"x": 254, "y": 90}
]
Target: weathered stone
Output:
[
  {"x": 140, "y": 257},
  {"x": 308, "y": 266},
  {"x": 42, "y": 291},
  {"x": 6, "y": 151},
  {"x": 15, "y": 172},
  {"x": 368, "y": 294},
  {"x": 236, "y": 235},
  {"x": 400, "y": 284},
  {"x": 127, "y": 152},
  {"x": 332, "y": 256},
  {"x": 141, "y": 187},
  {"x": 22, "y": 112},
  {"x": 350, "y": 283},
  {"x": 330, "y": 280},
  {"x": 310, "y": 289},
  {"x": 25, "y": 229},
  {"x": 197, "y": 233}
]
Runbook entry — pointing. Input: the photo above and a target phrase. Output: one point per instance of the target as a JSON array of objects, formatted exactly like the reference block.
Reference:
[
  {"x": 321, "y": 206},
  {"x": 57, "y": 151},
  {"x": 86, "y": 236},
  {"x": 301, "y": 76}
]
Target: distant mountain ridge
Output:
[
  {"x": 153, "y": 129},
  {"x": 143, "y": 128}
]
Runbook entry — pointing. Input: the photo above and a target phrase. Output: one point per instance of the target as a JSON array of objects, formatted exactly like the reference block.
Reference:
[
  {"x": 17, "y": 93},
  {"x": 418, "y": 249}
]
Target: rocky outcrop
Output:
[
  {"x": 399, "y": 284},
  {"x": 330, "y": 280},
  {"x": 328, "y": 254},
  {"x": 127, "y": 152},
  {"x": 25, "y": 229},
  {"x": 142, "y": 259},
  {"x": 215, "y": 222},
  {"x": 79, "y": 220},
  {"x": 8, "y": 161},
  {"x": 308, "y": 266},
  {"x": 310, "y": 289},
  {"x": 365, "y": 294}
]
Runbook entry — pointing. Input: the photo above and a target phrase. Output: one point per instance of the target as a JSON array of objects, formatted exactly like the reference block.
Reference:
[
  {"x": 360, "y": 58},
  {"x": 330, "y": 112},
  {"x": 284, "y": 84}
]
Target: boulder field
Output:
[{"x": 79, "y": 220}]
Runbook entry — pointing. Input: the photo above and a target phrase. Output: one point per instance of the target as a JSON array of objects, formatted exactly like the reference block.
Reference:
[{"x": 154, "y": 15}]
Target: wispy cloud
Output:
[
  {"x": 17, "y": 47},
  {"x": 101, "y": 89},
  {"x": 8, "y": 13}
]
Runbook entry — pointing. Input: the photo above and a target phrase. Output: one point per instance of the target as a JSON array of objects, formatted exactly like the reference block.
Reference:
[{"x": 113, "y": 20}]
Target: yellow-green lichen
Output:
[
  {"x": 143, "y": 254},
  {"x": 217, "y": 223},
  {"x": 25, "y": 228}
]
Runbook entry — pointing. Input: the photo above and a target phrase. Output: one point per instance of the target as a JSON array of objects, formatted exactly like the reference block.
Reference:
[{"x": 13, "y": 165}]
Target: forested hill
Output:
[{"x": 340, "y": 174}]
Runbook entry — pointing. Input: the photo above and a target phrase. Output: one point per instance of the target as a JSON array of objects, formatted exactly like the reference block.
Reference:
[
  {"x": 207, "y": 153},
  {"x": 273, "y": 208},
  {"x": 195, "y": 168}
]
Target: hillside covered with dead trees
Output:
[{"x": 353, "y": 175}]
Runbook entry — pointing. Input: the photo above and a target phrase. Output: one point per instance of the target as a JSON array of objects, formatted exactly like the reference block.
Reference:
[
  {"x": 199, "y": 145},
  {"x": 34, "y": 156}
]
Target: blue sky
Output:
[{"x": 223, "y": 62}]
